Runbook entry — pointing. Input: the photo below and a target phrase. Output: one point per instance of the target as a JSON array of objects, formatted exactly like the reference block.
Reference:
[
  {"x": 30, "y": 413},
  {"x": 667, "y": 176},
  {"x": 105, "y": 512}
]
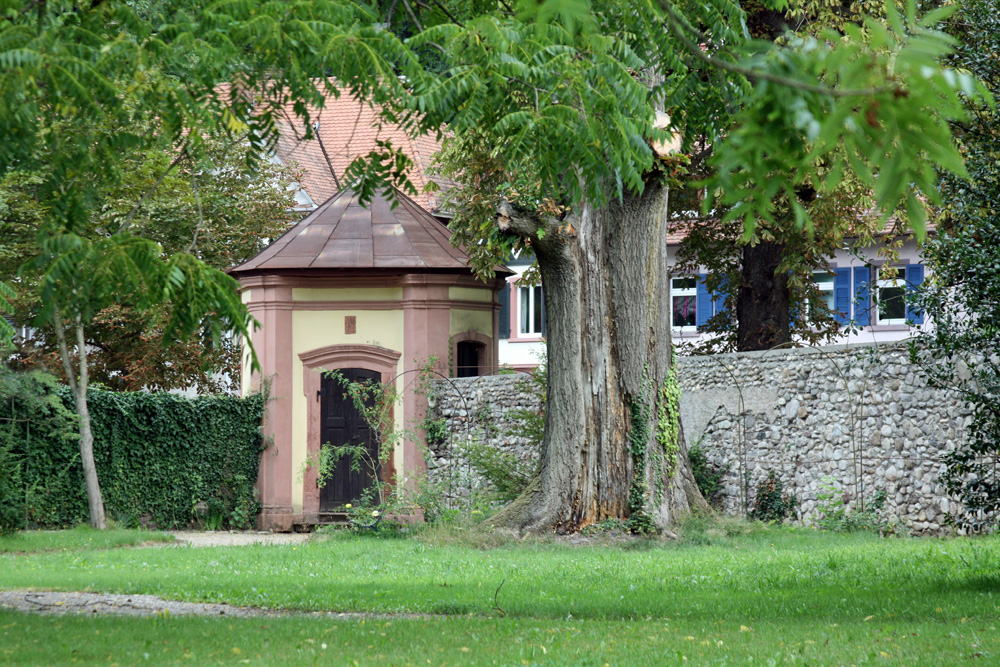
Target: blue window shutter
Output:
[
  {"x": 862, "y": 296},
  {"x": 504, "y": 297},
  {"x": 703, "y": 302},
  {"x": 914, "y": 278},
  {"x": 842, "y": 295}
]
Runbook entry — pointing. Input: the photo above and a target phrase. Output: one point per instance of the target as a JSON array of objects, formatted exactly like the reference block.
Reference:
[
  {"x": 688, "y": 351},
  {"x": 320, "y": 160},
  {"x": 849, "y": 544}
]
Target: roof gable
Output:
[{"x": 343, "y": 234}]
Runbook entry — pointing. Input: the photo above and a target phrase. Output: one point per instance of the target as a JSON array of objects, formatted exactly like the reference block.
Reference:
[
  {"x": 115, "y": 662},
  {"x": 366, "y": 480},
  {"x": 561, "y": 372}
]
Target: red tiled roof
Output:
[
  {"x": 349, "y": 128},
  {"x": 342, "y": 234}
]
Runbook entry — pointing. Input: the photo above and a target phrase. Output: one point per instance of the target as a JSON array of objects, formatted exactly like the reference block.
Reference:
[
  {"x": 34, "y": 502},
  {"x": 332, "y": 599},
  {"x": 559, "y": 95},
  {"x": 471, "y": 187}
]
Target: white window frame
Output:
[
  {"x": 527, "y": 328},
  {"x": 824, "y": 286},
  {"x": 684, "y": 291},
  {"x": 898, "y": 283}
]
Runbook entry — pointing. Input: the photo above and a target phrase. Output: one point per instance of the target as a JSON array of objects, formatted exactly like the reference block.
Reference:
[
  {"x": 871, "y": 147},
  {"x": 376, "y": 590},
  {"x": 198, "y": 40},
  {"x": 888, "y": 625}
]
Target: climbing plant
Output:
[{"x": 166, "y": 460}]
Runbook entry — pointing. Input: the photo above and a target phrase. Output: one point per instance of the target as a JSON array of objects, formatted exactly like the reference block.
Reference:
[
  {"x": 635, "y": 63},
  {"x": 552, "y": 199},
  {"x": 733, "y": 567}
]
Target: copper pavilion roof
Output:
[{"x": 342, "y": 234}]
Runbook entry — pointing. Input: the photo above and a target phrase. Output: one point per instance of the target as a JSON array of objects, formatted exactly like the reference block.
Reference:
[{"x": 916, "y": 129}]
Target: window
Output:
[
  {"x": 530, "y": 317},
  {"x": 824, "y": 285},
  {"x": 683, "y": 303},
  {"x": 890, "y": 299}
]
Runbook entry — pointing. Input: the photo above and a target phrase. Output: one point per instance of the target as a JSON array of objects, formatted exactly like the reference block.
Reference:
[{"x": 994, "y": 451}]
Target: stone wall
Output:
[
  {"x": 860, "y": 418},
  {"x": 480, "y": 409}
]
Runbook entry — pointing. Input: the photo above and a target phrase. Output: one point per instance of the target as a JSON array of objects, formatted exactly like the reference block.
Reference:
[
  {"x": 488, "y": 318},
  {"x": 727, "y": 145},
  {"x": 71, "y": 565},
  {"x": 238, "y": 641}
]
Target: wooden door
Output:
[{"x": 342, "y": 424}]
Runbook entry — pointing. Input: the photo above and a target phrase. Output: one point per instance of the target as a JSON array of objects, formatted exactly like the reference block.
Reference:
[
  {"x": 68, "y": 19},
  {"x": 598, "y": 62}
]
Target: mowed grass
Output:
[
  {"x": 773, "y": 595},
  {"x": 76, "y": 539}
]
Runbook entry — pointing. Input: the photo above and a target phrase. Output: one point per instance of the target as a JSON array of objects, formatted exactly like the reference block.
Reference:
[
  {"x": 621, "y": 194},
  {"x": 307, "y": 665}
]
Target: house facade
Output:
[{"x": 870, "y": 302}]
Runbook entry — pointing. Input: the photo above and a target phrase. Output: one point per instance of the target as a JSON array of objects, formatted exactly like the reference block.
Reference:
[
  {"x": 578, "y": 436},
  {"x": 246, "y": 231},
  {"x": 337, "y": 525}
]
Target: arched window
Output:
[{"x": 469, "y": 356}]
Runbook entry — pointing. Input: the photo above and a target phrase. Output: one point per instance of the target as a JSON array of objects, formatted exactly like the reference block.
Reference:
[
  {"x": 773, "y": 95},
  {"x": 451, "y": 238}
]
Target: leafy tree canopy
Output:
[
  {"x": 564, "y": 92},
  {"x": 962, "y": 294}
]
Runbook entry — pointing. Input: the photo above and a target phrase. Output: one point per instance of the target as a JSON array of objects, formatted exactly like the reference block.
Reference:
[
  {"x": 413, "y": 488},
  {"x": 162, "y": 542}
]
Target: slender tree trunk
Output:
[
  {"x": 763, "y": 301},
  {"x": 609, "y": 353},
  {"x": 78, "y": 385}
]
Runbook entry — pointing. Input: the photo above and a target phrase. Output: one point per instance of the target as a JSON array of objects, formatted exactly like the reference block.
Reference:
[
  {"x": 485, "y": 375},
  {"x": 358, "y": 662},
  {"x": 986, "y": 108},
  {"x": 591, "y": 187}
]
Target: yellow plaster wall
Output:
[
  {"x": 471, "y": 320},
  {"x": 314, "y": 329},
  {"x": 245, "y": 376},
  {"x": 347, "y": 294},
  {"x": 483, "y": 294}
]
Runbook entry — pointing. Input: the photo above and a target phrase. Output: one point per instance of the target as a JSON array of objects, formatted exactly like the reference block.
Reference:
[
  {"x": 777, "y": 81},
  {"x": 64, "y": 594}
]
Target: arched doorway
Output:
[{"x": 324, "y": 401}]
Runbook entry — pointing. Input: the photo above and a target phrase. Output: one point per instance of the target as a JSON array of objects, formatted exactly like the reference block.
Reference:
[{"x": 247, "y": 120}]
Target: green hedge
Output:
[{"x": 161, "y": 458}]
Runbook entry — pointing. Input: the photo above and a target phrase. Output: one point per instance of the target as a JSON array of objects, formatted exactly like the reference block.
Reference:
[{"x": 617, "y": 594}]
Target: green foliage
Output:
[
  {"x": 436, "y": 430},
  {"x": 888, "y": 119},
  {"x": 505, "y": 473},
  {"x": 771, "y": 503},
  {"x": 835, "y": 516},
  {"x": 159, "y": 455},
  {"x": 668, "y": 421},
  {"x": 11, "y": 491},
  {"x": 962, "y": 293},
  {"x": 38, "y": 449},
  {"x": 223, "y": 216},
  {"x": 707, "y": 475},
  {"x": 639, "y": 520},
  {"x": 607, "y": 526},
  {"x": 6, "y": 330},
  {"x": 531, "y": 423}
]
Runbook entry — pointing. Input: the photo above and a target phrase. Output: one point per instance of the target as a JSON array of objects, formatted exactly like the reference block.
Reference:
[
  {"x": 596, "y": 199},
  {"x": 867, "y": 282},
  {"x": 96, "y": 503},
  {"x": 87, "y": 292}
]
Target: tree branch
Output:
[
  {"x": 64, "y": 352},
  {"x": 413, "y": 17},
  {"x": 676, "y": 24},
  {"x": 149, "y": 191},
  {"x": 527, "y": 226},
  {"x": 201, "y": 218}
]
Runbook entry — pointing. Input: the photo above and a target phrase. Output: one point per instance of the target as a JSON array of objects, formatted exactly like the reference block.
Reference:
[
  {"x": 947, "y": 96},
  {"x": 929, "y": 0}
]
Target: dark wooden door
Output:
[{"x": 342, "y": 424}]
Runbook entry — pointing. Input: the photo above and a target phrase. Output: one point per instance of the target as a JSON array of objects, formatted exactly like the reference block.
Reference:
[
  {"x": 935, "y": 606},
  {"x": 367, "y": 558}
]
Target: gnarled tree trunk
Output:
[{"x": 609, "y": 354}]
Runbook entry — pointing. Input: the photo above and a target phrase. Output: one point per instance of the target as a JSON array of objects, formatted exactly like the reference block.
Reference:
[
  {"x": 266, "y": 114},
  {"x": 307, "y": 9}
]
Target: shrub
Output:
[
  {"x": 834, "y": 515},
  {"x": 11, "y": 492},
  {"x": 507, "y": 475},
  {"x": 707, "y": 475},
  {"x": 771, "y": 502},
  {"x": 161, "y": 459}
]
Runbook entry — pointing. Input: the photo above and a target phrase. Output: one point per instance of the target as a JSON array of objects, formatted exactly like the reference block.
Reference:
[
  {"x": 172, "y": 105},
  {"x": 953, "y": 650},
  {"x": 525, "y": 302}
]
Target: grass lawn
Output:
[
  {"x": 76, "y": 539},
  {"x": 776, "y": 596}
]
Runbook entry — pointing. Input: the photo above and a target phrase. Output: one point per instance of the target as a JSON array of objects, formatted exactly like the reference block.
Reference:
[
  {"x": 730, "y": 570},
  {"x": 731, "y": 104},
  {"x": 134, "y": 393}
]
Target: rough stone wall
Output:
[
  {"x": 859, "y": 417},
  {"x": 481, "y": 409}
]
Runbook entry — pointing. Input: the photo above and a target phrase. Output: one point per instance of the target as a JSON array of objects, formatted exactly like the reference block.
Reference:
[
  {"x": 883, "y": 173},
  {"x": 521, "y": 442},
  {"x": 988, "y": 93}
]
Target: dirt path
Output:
[
  {"x": 55, "y": 603},
  {"x": 228, "y": 539}
]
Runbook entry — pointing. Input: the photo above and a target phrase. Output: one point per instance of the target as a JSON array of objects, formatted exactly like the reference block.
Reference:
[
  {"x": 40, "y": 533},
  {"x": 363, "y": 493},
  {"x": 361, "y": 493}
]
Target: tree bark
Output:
[
  {"x": 78, "y": 385},
  {"x": 763, "y": 300},
  {"x": 609, "y": 353}
]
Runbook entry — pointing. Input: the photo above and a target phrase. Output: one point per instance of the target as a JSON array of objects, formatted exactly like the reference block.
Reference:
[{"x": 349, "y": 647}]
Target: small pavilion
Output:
[{"x": 374, "y": 292}]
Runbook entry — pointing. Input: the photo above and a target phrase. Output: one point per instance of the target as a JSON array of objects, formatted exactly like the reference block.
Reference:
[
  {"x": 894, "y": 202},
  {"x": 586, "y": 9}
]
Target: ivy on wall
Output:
[{"x": 161, "y": 458}]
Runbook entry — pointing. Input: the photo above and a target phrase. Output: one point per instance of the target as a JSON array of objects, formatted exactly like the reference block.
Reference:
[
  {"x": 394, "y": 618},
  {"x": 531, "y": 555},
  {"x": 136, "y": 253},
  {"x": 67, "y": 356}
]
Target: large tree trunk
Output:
[
  {"x": 762, "y": 303},
  {"x": 609, "y": 353}
]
